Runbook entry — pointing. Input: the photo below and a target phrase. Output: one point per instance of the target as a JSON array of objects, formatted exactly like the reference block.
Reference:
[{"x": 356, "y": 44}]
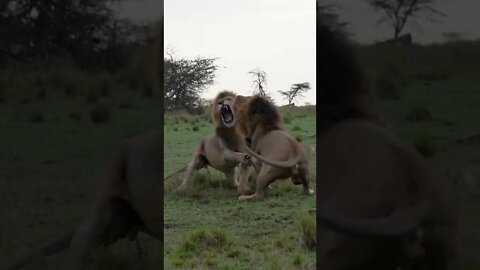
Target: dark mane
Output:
[
  {"x": 229, "y": 136},
  {"x": 342, "y": 89},
  {"x": 263, "y": 112},
  {"x": 225, "y": 94}
]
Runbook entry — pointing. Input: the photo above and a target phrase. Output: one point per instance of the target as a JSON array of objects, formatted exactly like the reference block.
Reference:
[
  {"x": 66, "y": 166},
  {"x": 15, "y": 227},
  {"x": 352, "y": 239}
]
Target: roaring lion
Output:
[
  {"x": 381, "y": 205},
  {"x": 128, "y": 197},
  {"x": 220, "y": 150},
  {"x": 279, "y": 156}
]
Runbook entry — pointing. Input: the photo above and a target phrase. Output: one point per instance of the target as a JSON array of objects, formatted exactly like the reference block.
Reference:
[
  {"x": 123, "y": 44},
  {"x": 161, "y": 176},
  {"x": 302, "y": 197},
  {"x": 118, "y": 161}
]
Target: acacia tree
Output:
[
  {"x": 33, "y": 29},
  {"x": 296, "y": 90},
  {"x": 185, "y": 80},
  {"x": 259, "y": 81},
  {"x": 398, "y": 12}
]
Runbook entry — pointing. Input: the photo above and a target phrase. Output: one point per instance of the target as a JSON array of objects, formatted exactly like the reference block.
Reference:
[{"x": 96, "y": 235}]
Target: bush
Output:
[
  {"x": 41, "y": 93},
  {"x": 91, "y": 98},
  {"x": 148, "y": 91},
  {"x": 287, "y": 120},
  {"x": 3, "y": 96},
  {"x": 75, "y": 116},
  {"x": 424, "y": 144},
  {"x": 195, "y": 128},
  {"x": 296, "y": 128},
  {"x": 387, "y": 89},
  {"x": 201, "y": 238},
  {"x": 307, "y": 229},
  {"x": 70, "y": 90},
  {"x": 418, "y": 114},
  {"x": 125, "y": 104},
  {"x": 36, "y": 117},
  {"x": 104, "y": 89},
  {"x": 100, "y": 114}
]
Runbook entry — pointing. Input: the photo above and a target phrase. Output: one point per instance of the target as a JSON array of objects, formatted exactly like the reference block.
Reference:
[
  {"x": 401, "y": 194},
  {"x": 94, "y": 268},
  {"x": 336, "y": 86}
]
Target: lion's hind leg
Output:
[
  {"x": 265, "y": 178},
  {"x": 198, "y": 162},
  {"x": 304, "y": 176}
]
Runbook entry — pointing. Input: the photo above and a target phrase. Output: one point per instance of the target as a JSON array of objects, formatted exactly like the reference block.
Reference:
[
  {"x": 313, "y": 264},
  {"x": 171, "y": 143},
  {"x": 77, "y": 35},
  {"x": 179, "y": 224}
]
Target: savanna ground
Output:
[
  {"x": 209, "y": 228},
  {"x": 51, "y": 149}
]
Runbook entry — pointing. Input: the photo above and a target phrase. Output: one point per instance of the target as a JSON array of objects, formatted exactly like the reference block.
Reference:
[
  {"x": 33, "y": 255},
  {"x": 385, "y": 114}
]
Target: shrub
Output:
[
  {"x": 287, "y": 120},
  {"x": 3, "y": 96},
  {"x": 418, "y": 114},
  {"x": 100, "y": 114},
  {"x": 41, "y": 93},
  {"x": 125, "y": 104},
  {"x": 307, "y": 229},
  {"x": 147, "y": 91},
  {"x": 296, "y": 128},
  {"x": 200, "y": 239},
  {"x": 75, "y": 116},
  {"x": 91, "y": 98},
  {"x": 36, "y": 117},
  {"x": 297, "y": 259},
  {"x": 70, "y": 90},
  {"x": 195, "y": 128},
  {"x": 424, "y": 144},
  {"x": 104, "y": 89},
  {"x": 387, "y": 89}
]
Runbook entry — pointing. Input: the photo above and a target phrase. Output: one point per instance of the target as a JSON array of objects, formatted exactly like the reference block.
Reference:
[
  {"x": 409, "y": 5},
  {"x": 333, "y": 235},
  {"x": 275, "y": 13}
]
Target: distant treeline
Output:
[{"x": 86, "y": 32}]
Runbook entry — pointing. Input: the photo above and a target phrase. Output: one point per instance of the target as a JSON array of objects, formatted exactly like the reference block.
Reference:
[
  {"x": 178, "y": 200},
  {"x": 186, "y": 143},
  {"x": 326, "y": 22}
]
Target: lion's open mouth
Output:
[{"x": 227, "y": 115}]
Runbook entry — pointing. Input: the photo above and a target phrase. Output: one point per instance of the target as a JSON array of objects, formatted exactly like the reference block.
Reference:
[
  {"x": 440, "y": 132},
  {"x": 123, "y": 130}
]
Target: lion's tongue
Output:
[{"x": 227, "y": 117}]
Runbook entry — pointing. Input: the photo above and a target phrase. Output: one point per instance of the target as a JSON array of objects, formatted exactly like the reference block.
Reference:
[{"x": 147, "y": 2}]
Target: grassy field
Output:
[
  {"x": 257, "y": 235},
  {"x": 58, "y": 128}
]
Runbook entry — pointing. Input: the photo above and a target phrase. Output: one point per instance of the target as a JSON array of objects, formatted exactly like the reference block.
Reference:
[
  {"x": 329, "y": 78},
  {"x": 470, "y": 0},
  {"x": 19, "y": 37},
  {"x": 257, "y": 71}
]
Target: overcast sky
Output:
[{"x": 278, "y": 36}]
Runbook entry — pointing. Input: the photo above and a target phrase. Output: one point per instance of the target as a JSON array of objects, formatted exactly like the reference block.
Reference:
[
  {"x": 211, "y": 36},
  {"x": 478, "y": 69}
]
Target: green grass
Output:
[{"x": 259, "y": 235}]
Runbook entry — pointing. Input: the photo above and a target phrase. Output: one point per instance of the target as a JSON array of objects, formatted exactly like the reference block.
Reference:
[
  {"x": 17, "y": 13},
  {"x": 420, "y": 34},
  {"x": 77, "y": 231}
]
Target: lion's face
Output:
[{"x": 224, "y": 110}]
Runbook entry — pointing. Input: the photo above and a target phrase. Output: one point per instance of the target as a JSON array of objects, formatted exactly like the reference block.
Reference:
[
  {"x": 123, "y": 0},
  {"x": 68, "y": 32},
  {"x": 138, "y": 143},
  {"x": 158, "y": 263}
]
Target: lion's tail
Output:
[
  {"x": 401, "y": 221},
  {"x": 176, "y": 172},
  {"x": 292, "y": 162},
  {"x": 51, "y": 248}
]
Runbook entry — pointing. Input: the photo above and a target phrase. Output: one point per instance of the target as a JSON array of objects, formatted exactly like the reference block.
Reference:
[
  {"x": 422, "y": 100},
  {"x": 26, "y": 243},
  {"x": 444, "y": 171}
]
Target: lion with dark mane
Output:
[
  {"x": 279, "y": 156},
  {"x": 220, "y": 150},
  {"x": 380, "y": 205}
]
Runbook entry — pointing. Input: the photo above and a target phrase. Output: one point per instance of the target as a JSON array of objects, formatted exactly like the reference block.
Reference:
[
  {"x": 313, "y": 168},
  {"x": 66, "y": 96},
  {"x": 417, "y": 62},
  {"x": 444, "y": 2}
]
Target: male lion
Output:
[
  {"x": 220, "y": 150},
  {"x": 380, "y": 204},
  {"x": 128, "y": 197},
  {"x": 280, "y": 155}
]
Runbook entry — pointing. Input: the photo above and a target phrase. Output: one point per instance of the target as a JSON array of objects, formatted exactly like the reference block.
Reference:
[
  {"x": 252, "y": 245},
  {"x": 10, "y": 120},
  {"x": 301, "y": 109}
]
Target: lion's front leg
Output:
[
  {"x": 238, "y": 157},
  {"x": 242, "y": 175}
]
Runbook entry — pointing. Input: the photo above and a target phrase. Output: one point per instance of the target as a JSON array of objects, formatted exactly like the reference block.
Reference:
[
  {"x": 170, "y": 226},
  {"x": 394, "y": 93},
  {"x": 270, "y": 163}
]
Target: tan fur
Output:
[
  {"x": 219, "y": 150},
  {"x": 380, "y": 204},
  {"x": 279, "y": 155},
  {"x": 127, "y": 200}
]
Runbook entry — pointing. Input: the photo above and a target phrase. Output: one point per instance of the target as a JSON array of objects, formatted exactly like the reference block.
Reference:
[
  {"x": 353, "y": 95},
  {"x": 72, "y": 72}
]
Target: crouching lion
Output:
[
  {"x": 279, "y": 156},
  {"x": 220, "y": 150},
  {"x": 380, "y": 204}
]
